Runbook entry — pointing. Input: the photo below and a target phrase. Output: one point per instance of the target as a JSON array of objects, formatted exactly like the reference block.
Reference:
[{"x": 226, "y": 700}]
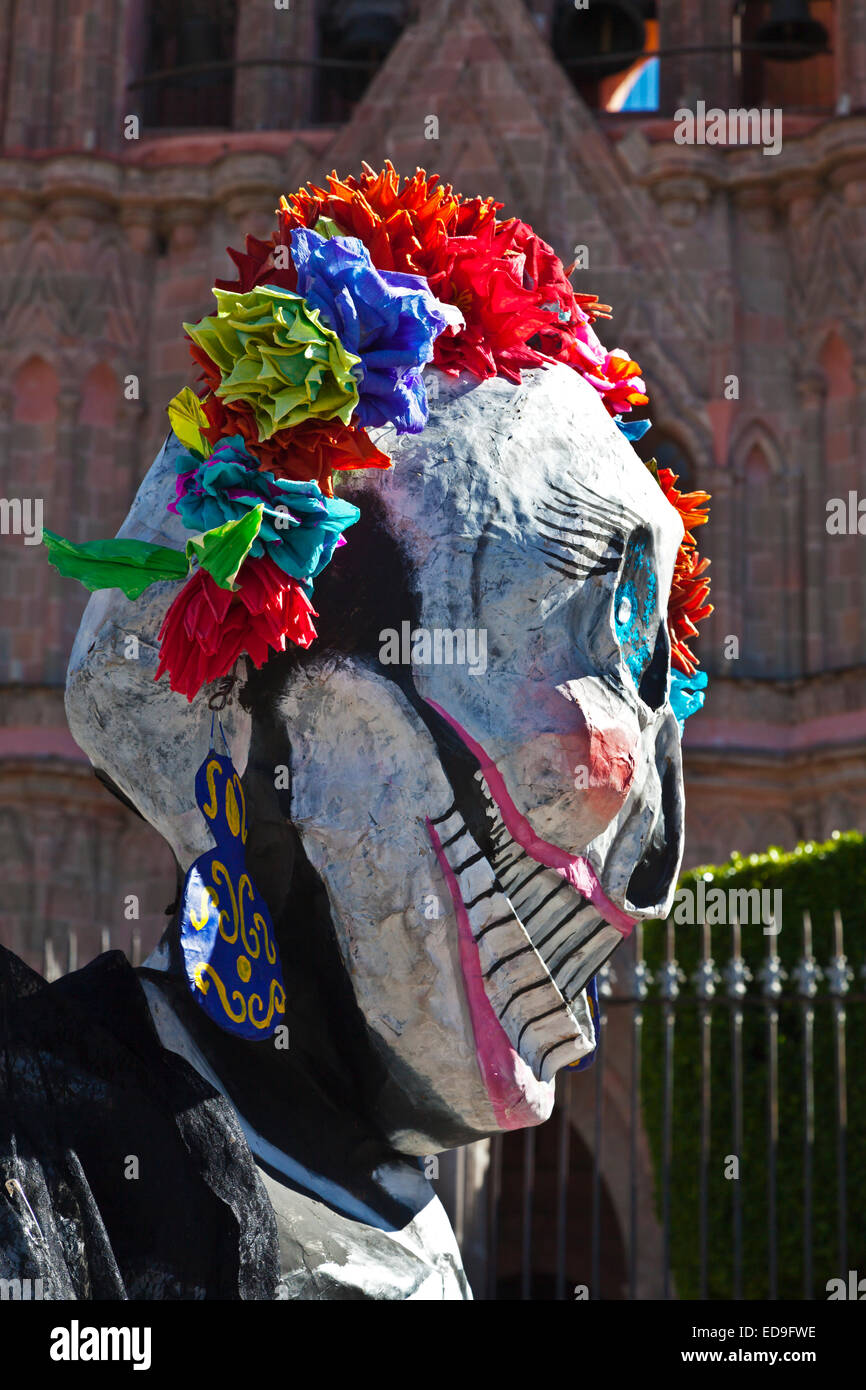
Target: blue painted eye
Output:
[{"x": 634, "y": 606}]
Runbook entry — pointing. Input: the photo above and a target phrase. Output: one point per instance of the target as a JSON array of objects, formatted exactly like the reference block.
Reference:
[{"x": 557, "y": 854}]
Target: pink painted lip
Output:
[
  {"x": 575, "y": 869},
  {"x": 518, "y": 1098}
]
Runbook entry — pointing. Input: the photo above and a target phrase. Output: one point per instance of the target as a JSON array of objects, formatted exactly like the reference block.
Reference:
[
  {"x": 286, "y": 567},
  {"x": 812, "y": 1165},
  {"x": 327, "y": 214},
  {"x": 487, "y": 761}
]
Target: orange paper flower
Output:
[{"x": 689, "y": 592}]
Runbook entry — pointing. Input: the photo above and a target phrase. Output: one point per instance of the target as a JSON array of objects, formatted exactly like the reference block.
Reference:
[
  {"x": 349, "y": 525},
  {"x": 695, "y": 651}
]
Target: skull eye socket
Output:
[
  {"x": 653, "y": 688},
  {"x": 635, "y": 615}
]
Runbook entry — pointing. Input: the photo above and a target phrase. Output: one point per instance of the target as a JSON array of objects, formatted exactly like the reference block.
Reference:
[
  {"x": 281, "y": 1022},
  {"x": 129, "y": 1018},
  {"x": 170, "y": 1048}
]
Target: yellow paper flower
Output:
[{"x": 273, "y": 352}]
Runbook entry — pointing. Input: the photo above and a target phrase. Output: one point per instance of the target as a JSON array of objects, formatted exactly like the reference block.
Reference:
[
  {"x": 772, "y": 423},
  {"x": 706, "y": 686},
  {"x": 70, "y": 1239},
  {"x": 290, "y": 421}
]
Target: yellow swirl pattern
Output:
[
  {"x": 253, "y": 946},
  {"x": 206, "y": 969},
  {"x": 243, "y": 804},
  {"x": 219, "y": 873},
  {"x": 270, "y": 948},
  {"x": 209, "y": 899},
  {"x": 233, "y": 815},
  {"x": 210, "y": 809},
  {"x": 234, "y": 987},
  {"x": 277, "y": 1001}
]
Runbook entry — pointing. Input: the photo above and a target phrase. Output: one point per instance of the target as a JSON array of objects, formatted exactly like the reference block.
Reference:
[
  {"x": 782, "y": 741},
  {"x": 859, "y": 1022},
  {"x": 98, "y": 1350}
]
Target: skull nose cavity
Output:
[
  {"x": 653, "y": 686},
  {"x": 656, "y": 872}
]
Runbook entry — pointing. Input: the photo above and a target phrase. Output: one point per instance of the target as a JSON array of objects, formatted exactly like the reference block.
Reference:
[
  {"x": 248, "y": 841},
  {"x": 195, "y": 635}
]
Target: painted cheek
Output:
[
  {"x": 613, "y": 758},
  {"x": 608, "y": 755},
  {"x": 603, "y": 745}
]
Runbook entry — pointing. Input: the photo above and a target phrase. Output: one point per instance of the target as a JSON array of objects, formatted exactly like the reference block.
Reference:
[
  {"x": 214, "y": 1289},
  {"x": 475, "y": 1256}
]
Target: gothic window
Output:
[
  {"x": 772, "y": 75},
  {"x": 188, "y": 77},
  {"x": 762, "y": 545},
  {"x": 355, "y": 38},
  {"x": 600, "y": 46}
]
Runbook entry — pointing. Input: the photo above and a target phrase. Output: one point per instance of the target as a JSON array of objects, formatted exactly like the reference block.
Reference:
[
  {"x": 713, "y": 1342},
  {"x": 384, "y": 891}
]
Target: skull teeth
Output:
[{"x": 538, "y": 941}]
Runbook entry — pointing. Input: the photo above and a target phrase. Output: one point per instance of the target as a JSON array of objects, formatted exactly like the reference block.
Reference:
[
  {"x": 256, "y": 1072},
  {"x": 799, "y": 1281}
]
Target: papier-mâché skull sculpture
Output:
[{"x": 458, "y": 801}]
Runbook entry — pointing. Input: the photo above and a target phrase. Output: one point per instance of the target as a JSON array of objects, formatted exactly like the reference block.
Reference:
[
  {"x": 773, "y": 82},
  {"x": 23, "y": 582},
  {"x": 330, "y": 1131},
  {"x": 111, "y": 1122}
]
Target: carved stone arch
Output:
[
  {"x": 664, "y": 433},
  {"x": 834, "y": 279},
  {"x": 672, "y": 408},
  {"x": 764, "y": 526},
  {"x": 99, "y": 395},
  {"x": 840, "y": 346},
  {"x": 27, "y": 350},
  {"x": 35, "y": 388},
  {"x": 756, "y": 435},
  {"x": 775, "y": 828}
]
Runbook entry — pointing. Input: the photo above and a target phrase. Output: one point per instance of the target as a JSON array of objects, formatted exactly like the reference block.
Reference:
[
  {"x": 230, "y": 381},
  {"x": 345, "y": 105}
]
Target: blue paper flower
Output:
[
  {"x": 687, "y": 695},
  {"x": 300, "y": 526},
  {"x": 633, "y": 429},
  {"x": 388, "y": 319}
]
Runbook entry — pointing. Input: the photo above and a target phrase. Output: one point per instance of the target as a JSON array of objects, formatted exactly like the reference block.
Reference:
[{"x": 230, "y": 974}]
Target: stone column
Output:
[
  {"x": 850, "y": 49},
  {"x": 859, "y": 374},
  {"x": 811, "y": 391},
  {"x": 689, "y": 76},
  {"x": 274, "y": 98}
]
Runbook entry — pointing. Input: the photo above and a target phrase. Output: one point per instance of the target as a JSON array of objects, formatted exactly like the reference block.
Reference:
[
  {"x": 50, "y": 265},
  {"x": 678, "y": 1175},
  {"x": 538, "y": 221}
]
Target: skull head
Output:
[{"x": 485, "y": 775}]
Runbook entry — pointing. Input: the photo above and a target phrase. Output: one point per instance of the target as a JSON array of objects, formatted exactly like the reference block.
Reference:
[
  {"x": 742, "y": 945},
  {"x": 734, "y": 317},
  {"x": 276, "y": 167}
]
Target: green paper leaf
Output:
[
  {"x": 223, "y": 550},
  {"x": 327, "y": 227},
  {"x": 187, "y": 419},
  {"x": 129, "y": 565}
]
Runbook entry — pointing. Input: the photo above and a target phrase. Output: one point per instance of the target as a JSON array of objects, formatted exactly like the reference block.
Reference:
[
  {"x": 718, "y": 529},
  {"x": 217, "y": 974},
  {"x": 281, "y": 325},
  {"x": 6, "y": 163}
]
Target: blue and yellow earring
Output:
[{"x": 230, "y": 955}]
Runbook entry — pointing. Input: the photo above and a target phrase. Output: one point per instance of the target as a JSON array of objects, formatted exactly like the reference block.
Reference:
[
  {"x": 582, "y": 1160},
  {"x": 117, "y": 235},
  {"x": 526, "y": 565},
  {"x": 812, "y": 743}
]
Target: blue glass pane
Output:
[{"x": 644, "y": 95}]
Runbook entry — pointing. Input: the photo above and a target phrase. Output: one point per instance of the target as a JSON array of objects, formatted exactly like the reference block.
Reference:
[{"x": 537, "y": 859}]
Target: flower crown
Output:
[{"x": 325, "y": 333}]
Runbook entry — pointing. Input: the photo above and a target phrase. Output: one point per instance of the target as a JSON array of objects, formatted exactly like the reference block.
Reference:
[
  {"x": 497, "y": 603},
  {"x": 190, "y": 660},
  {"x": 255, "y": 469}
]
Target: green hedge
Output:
[{"x": 817, "y": 877}]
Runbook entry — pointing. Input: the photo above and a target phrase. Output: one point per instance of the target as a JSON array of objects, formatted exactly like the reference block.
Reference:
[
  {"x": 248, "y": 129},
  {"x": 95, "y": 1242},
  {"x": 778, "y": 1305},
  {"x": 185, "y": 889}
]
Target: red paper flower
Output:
[
  {"x": 510, "y": 285},
  {"x": 545, "y": 273},
  {"x": 484, "y": 278},
  {"x": 403, "y": 229},
  {"x": 207, "y": 628},
  {"x": 256, "y": 266},
  {"x": 689, "y": 592}
]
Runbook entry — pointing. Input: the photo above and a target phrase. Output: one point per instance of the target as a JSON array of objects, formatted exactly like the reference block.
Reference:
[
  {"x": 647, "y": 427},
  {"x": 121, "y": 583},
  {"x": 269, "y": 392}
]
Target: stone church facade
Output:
[{"x": 136, "y": 148}]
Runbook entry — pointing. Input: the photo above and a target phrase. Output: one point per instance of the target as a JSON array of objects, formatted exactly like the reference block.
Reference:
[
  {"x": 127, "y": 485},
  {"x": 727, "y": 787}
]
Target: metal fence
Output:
[
  {"x": 699, "y": 1116},
  {"x": 60, "y": 956}
]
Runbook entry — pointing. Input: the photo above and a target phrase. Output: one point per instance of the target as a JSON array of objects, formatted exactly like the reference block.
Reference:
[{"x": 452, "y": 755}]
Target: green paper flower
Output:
[{"x": 274, "y": 353}]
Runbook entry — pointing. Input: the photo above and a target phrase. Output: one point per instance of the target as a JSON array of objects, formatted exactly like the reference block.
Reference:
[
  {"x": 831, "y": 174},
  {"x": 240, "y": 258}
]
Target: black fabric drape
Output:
[{"x": 123, "y": 1174}]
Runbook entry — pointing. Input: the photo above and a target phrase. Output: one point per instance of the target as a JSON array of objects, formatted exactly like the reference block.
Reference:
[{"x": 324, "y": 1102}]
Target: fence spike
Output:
[
  {"x": 839, "y": 973},
  {"x": 807, "y": 971},
  {"x": 736, "y": 973}
]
